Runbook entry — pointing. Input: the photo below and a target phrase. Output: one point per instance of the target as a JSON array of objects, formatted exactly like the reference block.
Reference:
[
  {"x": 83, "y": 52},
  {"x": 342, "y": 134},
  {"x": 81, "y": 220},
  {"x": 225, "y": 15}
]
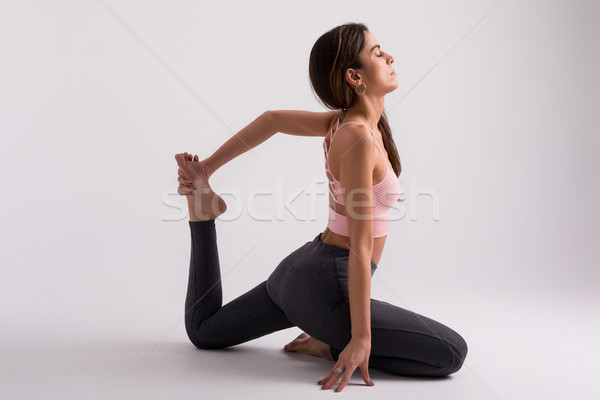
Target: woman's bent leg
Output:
[
  {"x": 311, "y": 286},
  {"x": 406, "y": 343},
  {"x": 210, "y": 325}
]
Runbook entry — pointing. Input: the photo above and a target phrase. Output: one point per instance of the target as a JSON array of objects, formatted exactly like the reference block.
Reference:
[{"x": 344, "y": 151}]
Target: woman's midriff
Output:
[{"x": 344, "y": 241}]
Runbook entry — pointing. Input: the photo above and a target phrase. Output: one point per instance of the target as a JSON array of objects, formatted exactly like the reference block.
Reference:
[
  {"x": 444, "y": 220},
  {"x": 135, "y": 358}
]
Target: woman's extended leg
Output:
[{"x": 210, "y": 325}]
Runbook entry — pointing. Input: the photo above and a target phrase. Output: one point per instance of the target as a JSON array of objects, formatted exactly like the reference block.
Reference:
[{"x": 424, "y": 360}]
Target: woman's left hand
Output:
[
  {"x": 186, "y": 186},
  {"x": 355, "y": 354}
]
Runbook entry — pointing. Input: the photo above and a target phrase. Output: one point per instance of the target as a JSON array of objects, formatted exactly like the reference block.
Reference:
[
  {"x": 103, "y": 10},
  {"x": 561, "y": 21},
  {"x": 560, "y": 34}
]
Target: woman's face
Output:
[{"x": 377, "y": 67}]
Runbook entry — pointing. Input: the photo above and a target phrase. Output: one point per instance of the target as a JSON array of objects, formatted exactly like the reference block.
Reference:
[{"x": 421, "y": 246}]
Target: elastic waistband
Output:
[{"x": 338, "y": 250}]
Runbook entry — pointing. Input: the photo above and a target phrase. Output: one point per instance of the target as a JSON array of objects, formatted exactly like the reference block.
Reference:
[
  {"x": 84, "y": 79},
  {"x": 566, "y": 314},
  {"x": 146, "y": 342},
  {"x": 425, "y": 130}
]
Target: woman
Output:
[{"x": 323, "y": 287}]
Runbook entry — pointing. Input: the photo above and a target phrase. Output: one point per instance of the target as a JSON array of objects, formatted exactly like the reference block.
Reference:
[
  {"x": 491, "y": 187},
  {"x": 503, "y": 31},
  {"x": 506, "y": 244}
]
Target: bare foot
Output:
[
  {"x": 204, "y": 204},
  {"x": 309, "y": 345}
]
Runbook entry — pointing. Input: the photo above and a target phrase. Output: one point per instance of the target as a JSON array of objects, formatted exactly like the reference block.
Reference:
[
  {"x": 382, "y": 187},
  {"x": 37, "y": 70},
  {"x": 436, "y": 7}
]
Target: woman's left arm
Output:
[
  {"x": 253, "y": 134},
  {"x": 304, "y": 123},
  {"x": 292, "y": 122}
]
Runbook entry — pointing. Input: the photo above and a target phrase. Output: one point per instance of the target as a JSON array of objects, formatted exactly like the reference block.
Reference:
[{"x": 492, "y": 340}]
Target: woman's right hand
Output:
[{"x": 355, "y": 354}]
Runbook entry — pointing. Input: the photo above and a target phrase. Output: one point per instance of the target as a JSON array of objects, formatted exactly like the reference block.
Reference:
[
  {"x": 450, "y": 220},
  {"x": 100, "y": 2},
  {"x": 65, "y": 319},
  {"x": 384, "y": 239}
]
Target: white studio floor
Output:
[{"x": 523, "y": 349}]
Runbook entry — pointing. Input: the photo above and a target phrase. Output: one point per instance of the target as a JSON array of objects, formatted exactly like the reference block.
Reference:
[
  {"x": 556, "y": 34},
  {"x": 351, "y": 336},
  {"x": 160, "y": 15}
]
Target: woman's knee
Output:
[
  {"x": 206, "y": 341},
  {"x": 203, "y": 336},
  {"x": 204, "y": 344},
  {"x": 458, "y": 349}
]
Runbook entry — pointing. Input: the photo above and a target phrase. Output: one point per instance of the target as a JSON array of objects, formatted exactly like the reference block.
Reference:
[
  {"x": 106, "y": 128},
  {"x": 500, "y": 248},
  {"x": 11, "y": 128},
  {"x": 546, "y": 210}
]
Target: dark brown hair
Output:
[{"x": 332, "y": 54}]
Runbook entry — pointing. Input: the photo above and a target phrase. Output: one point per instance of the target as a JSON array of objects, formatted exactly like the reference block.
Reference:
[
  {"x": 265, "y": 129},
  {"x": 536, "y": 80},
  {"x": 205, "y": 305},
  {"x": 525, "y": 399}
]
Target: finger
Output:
[
  {"x": 185, "y": 190},
  {"x": 345, "y": 379},
  {"x": 196, "y": 158},
  {"x": 182, "y": 192},
  {"x": 322, "y": 381},
  {"x": 325, "y": 381},
  {"x": 364, "y": 370},
  {"x": 333, "y": 377},
  {"x": 185, "y": 181}
]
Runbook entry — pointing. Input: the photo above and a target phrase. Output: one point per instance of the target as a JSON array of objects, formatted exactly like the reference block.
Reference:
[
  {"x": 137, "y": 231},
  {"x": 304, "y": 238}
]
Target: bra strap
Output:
[{"x": 338, "y": 128}]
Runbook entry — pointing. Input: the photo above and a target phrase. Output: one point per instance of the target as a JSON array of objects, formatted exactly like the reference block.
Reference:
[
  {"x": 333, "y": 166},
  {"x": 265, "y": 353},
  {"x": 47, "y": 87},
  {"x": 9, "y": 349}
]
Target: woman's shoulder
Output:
[
  {"x": 354, "y": 130},
  {"x": 352, "y": 137},
  {"x": 338, "y": 116}
]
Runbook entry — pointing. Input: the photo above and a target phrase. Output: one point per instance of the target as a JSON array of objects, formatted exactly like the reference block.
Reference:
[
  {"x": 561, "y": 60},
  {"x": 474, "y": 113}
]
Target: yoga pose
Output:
[{"x": 324, "y": 286}]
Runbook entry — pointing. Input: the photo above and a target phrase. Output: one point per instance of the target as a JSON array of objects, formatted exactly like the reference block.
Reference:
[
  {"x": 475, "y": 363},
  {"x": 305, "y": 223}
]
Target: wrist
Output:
[
  {"x": 208, "y": 166},
  {"x": 362, "y": 338}
]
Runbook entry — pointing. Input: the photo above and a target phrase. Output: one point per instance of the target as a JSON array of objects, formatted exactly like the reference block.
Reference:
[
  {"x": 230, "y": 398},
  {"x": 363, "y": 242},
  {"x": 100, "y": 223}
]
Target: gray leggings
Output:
[{"x": 309, "y": 289}]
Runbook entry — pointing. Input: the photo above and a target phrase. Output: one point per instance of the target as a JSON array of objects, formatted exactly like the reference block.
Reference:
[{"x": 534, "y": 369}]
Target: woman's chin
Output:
[{"x": 394, "y": 87}]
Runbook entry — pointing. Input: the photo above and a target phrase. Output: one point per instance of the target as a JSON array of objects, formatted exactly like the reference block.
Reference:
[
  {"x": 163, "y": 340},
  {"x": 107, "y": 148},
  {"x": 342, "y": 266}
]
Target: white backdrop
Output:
[{"x": 496, "y": 123}]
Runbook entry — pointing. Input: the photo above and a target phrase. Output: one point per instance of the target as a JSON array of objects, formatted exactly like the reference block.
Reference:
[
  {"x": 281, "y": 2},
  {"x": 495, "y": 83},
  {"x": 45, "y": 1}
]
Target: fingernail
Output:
[
  {"x": 372, "y": 383},
  {"x": 323, "y": 387},
  {"x": 337, "y": 389}
]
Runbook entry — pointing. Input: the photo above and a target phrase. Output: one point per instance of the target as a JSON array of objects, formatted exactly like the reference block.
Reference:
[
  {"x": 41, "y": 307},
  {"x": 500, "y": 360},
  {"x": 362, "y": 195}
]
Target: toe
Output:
[{"x": 290, "y": 346}]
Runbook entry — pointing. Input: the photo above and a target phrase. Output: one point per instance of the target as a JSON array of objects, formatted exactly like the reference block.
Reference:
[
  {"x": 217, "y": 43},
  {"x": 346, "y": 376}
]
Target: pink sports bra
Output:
[{"x": 385, "y": 195}]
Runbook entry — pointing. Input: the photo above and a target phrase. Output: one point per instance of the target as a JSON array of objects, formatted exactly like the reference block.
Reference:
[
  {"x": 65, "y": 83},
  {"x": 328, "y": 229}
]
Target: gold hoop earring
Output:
[{"x": 360, "y": 94}]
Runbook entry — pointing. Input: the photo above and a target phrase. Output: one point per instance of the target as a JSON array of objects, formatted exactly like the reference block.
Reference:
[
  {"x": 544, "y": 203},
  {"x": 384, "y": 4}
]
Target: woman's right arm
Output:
[
  {"x": 356, "y": 176},
  {"x": 356, "y": 180}
]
